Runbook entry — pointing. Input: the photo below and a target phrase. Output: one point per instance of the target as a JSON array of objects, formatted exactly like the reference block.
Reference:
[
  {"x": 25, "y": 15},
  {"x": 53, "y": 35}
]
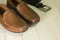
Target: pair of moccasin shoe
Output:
[{"x": 12, "y": 21}]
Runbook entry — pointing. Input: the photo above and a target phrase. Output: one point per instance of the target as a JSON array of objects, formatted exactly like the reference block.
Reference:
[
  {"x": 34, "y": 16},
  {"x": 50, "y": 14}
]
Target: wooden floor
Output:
[{"x": 47, "y": 29}]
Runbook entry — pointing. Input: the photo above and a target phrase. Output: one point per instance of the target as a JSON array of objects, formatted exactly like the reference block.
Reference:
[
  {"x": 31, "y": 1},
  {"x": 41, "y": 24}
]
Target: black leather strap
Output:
[
  {"x": 39, "y": 5},
  {"x": 32, "y": 2}
]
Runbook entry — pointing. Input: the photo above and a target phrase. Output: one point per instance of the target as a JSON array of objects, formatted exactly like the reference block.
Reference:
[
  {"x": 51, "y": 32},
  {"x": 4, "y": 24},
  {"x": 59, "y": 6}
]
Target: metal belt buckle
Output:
[{"x": 45, "y": 8}]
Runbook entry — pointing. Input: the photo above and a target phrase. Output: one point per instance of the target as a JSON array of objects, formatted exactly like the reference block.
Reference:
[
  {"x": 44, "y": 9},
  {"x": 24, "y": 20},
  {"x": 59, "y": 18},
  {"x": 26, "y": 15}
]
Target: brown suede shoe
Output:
[
  {"x": 28, "y": 14},
  {"x": 11, "y": 21}
]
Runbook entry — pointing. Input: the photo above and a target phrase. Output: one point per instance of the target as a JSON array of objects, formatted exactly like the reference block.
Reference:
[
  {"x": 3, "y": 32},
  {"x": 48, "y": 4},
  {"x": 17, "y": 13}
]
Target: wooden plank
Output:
[
  {"x": 46, "y": 26},
  {"x": 7, "y": 35},
  {"x": 13, "y": 36},
  {"x": 2, "y": 33},
  {"x": 55, "y": 18},
  {"x": 57, "y": 2},
  {"x": 44, "y": 29},
  {"x": 31, "y": 34}
]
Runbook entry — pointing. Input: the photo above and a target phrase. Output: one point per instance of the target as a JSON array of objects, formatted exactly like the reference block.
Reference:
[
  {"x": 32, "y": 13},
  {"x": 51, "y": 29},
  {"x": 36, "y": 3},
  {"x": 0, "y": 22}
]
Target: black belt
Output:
[{"x": 38, "y": 5}]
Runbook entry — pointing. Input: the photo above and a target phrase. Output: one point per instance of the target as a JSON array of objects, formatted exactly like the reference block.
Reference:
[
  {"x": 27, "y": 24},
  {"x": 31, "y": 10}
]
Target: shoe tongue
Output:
[
  {"x": 3, "y": 2},
  {"x": 8, "y": 13},
  {"x": 5, "y": 13},
  {"x": 9, "y": 17},
  {"x": 13, "y": 19}
]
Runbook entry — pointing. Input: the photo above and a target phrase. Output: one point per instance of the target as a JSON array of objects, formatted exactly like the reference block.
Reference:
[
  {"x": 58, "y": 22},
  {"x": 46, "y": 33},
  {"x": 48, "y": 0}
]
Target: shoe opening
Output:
[
  {"x": 15, "y": 2},
  {"x": 2, "y": 11}
]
